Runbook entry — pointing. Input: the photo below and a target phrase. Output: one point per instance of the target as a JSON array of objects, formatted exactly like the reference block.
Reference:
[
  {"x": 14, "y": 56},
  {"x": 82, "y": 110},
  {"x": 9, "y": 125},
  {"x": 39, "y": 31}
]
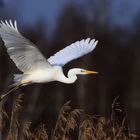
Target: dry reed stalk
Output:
[
  {"x": 115, "y": 106},
  {"x": 71, "y": 123},
  {"x": 86, "y": 128},
  {"x": 90, "y": 128},
  {"x": 40, "y": 133},
  {"x": 3, "y": 119},
  {"x": 101, "y": 128},
  {"x": 3, "y": 116},
  {"x": 61, "y": 121},
  {"x": 118, "y": 126},
  {"x": 14, "y": 123},
  {"x": 26, "y": 132}
]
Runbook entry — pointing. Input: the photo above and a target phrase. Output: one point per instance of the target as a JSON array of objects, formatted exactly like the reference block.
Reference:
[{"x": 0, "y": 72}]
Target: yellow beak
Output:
[{"x": 91, "y": 72}]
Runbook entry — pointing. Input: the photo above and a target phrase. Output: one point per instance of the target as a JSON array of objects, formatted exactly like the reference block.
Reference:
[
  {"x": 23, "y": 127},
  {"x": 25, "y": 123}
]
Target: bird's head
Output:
[
  {"x": 72, "y": 75},
  {"x": 79, "y": 71}
]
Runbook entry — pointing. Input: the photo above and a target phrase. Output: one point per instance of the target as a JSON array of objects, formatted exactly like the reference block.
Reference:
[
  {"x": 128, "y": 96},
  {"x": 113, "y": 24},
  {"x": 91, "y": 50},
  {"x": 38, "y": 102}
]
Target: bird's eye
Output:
[{"x": 82, "y": 70}]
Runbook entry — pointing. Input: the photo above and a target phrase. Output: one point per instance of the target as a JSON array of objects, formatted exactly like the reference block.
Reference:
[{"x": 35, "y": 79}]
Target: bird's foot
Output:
[{"x": 2, "y": 97}]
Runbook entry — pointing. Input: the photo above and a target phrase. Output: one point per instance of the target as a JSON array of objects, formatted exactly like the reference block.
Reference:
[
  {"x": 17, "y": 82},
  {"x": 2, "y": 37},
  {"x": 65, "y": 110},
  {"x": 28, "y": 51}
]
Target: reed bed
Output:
[{"x": 71, "y": 124}]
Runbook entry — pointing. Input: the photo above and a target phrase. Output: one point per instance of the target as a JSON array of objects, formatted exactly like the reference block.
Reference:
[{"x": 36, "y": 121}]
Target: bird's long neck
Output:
[{"x": 71, "y": 77}]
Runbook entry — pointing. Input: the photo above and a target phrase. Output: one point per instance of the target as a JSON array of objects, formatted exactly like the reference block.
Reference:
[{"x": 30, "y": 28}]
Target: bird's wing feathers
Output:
[
  {"x": 73, "y": 51},
  {"x": 23, "y": 52}
]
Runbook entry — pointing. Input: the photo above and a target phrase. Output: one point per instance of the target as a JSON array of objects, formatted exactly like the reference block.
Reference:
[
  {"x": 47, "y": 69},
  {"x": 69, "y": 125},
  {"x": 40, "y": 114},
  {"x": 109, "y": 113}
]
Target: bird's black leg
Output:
[
  {"x": 12, "y": 88},
  {"x": 9, "y": 91}
]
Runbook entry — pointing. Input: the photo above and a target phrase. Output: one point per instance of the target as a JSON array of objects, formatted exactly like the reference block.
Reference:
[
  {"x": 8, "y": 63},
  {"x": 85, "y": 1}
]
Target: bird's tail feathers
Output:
[
  {"x": 16, "y": 81},
  {"x": 17, "y": 77}
]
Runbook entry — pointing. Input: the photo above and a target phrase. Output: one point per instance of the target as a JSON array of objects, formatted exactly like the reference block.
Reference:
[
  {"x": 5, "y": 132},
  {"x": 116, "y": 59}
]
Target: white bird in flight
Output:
[{"x": 35, "y": 67}]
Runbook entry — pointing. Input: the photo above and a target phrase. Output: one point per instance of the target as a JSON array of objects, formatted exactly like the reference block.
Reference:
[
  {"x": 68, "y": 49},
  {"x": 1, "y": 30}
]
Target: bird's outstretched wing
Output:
[
  {"x": 23, "y": 52},
  {"x": 73, "y": 51}
]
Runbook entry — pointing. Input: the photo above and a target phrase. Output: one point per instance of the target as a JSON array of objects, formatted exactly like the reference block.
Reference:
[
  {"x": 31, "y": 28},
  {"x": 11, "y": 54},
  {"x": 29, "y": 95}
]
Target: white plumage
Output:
[
  {"x": 24, "y": 53},
  {"x": 35, "y": 67},
  {"x": 73, "y": 51}
]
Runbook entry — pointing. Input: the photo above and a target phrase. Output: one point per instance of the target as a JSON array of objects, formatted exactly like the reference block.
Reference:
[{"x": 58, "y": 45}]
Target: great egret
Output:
[{"x": 35, "y": 67}]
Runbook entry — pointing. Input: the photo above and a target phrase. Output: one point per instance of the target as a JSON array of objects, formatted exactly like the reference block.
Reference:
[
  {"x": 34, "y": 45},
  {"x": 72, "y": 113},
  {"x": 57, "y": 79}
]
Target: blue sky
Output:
[
  {"x": 118, "y": 13},
  {"x": 30, "y": 11},
  {"x": 123, "y": 12}
]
